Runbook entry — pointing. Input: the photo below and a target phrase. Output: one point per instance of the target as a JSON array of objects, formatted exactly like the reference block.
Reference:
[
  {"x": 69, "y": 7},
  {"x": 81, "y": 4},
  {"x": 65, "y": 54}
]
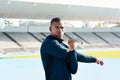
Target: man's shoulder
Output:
[{"x": 49, "y": 40}]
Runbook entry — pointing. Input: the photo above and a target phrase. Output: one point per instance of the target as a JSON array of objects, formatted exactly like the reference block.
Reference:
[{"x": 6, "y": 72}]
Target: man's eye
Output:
[
  {"x": 62, "y": 27},
  {"x": 57, "y": 27}
]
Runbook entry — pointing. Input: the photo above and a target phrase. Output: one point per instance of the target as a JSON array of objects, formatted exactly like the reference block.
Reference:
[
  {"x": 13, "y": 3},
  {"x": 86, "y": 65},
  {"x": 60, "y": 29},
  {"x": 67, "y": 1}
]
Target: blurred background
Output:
[{"x": 93, "y": 24}]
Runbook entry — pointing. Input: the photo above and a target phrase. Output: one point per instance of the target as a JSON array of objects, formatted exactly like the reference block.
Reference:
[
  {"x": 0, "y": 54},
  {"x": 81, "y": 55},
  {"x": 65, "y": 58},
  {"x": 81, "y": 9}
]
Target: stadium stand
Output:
[
  {"x": 6, "y": 43},
  {"x": 18, "y": 40},
  {"x": 31, "y": 41},
  {"x": 110, "y": 38}
]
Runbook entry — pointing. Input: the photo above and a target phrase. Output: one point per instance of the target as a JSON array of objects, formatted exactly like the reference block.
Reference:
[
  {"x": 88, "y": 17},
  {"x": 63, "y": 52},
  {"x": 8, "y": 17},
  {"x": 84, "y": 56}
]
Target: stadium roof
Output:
[{"x": 66, "y": 9}]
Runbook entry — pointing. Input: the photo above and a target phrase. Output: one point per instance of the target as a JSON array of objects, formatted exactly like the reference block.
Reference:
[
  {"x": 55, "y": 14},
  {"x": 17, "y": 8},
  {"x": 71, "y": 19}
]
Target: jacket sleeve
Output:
[
  {"x": 55, "y": 49},
  {"x": 72, "y": 63},
  {"x": 85, "y": 58}
]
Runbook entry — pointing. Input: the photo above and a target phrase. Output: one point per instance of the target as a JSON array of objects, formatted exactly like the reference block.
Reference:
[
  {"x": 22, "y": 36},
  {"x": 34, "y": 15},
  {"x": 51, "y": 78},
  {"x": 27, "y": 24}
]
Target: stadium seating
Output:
[{"x": 31, "y": 41}]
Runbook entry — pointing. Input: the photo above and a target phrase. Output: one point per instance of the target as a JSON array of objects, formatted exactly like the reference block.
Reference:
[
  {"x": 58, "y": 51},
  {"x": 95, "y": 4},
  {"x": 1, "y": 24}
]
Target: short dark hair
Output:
[{"x": 57, "y": 19}]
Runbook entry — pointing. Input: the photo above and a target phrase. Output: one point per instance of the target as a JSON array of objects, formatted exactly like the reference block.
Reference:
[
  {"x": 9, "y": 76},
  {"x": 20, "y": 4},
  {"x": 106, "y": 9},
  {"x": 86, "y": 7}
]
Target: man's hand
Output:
[
  {"x": 99, "y": 62},
  {"x": 71, "y": 44}
]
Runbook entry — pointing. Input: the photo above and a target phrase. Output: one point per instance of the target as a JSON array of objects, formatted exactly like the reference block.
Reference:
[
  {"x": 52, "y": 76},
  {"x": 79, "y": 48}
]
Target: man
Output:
[{"x": 59, "y": 60}]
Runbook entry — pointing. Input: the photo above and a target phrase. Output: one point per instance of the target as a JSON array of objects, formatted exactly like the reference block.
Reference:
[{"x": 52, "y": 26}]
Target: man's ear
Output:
[{"x": 50, "y": 28}]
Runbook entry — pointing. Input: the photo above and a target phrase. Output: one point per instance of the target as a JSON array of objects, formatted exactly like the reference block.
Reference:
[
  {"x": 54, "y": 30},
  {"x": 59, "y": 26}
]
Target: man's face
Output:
[{"x": 57, "y": 30}]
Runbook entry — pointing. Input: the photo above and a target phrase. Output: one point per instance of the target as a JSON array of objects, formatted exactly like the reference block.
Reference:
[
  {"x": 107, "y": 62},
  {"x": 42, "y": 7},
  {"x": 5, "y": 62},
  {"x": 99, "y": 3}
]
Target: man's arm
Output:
[
  {"x": 88, "y": 59},
  {"x": 81, "y": 57},
  {"x": 72, "y": 62},
  {"x": 55, "y": 49},
  {"x": 85, "y": 58}
]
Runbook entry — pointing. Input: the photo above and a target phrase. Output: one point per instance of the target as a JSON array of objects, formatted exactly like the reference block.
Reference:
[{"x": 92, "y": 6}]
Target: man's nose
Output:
[{"x": 60, "y": 30}]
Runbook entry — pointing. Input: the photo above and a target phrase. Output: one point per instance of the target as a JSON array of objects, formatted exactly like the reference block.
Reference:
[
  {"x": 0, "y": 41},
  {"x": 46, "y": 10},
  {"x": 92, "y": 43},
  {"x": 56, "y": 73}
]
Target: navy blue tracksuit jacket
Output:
[{"x": 58, "y": 61}]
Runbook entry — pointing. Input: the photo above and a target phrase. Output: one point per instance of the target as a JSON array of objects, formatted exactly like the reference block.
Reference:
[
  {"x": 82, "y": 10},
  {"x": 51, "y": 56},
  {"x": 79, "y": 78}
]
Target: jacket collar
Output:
[{"x": 52, "y": 37}]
